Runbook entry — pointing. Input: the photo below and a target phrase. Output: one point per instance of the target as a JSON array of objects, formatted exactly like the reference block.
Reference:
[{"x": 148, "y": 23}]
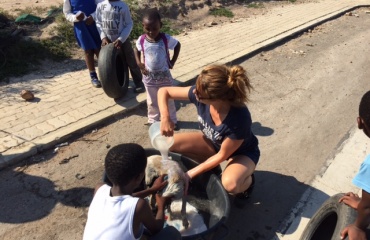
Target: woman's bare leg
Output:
[
  {"x": 193, "y": 145},
  {"x": 236, "y": 177}
]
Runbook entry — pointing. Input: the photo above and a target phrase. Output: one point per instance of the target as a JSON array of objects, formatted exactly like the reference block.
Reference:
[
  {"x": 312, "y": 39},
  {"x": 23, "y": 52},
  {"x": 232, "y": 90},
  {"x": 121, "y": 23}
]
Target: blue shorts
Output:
[{"x": 253, "y": 154}]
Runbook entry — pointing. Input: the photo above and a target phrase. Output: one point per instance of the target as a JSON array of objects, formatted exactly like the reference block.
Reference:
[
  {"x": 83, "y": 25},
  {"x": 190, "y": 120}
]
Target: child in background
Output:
[
  {"x": 114, "y": 23},
  {"x": 80, "y": 12},
  {"x": 118, "y": 213},
  {"x": 157, "y": 64},
  {"x": 357, "y": 230}
]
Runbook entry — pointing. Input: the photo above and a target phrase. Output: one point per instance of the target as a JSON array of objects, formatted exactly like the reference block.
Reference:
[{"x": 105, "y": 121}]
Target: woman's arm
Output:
[
  {"x": 164, "y": 94},
  {"x": 228, "y": 147}
]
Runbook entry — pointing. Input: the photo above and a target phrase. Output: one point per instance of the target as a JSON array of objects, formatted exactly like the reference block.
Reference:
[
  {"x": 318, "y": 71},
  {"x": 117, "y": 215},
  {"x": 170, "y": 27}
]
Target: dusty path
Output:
[{"x": 305, "y": 101}]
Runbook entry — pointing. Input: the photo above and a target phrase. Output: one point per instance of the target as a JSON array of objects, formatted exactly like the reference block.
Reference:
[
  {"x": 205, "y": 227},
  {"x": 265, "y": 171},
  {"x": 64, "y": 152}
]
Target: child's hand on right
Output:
[
  {"x": 89, "y": 20},
  {"x": 143, "y": 70},
  {"x": 117, "y": 44},
  {"x": 351, "y": 199}
]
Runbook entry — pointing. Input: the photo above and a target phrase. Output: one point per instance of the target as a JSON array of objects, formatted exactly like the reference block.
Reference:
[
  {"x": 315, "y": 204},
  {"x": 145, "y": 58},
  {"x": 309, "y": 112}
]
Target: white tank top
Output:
[{"x": 111, "y": 218}]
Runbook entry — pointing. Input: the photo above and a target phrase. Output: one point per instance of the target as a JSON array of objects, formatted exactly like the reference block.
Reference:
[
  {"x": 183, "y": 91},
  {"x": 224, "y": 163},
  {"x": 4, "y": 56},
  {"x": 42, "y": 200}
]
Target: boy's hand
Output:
[
  {"x": 143, "y": 70},
  {"x": 353, "y": 232},
  {"x": 80, "y": 16},
  {"x": 89, "y": 20},
  {"x": 105, "y": 41},
  {"x": 351, "y": 200},
  {"x": 117, "y": 44},
  {"x": 161, "y": 201},
  {"x": 159, "y": 184}
]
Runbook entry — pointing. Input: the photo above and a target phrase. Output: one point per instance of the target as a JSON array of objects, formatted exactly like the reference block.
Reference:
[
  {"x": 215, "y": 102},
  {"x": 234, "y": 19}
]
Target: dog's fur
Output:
[{"x": 175, "y": 188}]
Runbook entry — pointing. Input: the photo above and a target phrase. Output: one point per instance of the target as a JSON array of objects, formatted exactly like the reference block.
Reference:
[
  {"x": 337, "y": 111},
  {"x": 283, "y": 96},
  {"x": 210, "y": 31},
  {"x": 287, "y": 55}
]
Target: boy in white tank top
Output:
[{"x": 118, "y": 213}]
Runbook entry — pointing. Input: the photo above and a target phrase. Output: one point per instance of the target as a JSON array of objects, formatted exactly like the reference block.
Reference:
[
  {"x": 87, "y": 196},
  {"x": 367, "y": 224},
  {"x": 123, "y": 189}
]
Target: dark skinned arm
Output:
[
  {"x": 357, "y": 230},
  {"x": 176, "y": 52},
  {"x": 158, "y": 185}
]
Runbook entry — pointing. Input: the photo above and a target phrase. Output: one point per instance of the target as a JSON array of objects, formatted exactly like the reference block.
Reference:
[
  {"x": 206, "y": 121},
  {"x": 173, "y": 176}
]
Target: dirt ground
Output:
[{"x": 305, "y": 101}]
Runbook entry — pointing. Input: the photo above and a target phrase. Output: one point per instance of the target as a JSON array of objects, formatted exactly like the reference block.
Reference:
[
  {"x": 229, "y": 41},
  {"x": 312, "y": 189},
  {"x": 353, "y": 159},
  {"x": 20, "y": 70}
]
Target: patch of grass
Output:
[
  {"x": 19, "y": 56},
  {"x": 222, "y": 12},
  {"x": 255, "y": 5}
]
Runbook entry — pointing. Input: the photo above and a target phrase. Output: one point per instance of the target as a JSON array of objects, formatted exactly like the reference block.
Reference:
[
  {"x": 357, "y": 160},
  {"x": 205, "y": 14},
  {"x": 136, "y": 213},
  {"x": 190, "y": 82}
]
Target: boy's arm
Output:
[
  {"x": 357, "y": 230},
  {"x": 125, "y": 12},
  {"x": 176, "y": 52},
  {"x": 158, "y": 185},
  {"x": 144, "y": 215},
  {"x": 99, "y": 21},
  {"x": 363, "y": 211}
]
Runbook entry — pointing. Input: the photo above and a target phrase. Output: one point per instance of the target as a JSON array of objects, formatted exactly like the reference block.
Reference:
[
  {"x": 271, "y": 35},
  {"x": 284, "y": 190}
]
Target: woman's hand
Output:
[
  {"x": 167, "y": 127},
  {"x": 159, "y": 184},
  {"x": 351, "y": 199}
]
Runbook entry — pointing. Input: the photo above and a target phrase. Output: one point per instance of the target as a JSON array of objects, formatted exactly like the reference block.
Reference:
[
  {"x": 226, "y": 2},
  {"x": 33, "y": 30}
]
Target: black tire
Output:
[
  {"x": 113, "y": 71},
  {"x": 329, "y": 220}
]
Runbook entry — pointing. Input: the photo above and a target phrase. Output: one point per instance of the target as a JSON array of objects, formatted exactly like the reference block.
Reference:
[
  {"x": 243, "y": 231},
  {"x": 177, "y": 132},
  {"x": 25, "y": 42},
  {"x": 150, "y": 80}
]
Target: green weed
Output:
[
  {"x": 256, "y": 5},
  {"x": 222, "y": 12}
]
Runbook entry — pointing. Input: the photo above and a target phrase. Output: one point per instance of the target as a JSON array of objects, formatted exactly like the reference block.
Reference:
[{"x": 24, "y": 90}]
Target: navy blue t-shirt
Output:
[{"x": 236, "y": 125}]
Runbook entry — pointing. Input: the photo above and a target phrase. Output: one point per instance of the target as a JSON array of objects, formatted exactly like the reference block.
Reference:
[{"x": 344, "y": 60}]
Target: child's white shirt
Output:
[{"x": 111, "y": 217}]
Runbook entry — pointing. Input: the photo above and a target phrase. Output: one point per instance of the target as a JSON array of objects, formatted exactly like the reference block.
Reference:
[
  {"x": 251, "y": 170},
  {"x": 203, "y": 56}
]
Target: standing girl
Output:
[
  {"x": 157, "y": 63},
  {"x": 225, "y": 122},
  {"x": 81, "y": 12}
]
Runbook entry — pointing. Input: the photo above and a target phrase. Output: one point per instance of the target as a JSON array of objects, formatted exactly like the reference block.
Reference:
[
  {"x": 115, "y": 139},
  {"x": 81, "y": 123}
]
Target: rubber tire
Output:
[
  {"x": 113, "y": 71},
  {"x": 329, "y": 220}
]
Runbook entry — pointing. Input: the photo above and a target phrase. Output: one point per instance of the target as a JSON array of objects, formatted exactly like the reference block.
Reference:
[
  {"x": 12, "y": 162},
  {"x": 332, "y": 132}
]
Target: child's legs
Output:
[
  {"x": 131, "y": 62},
  {"x": 167, "y": 233},
  {"x": 193, "y": 145},
  {"x": 236, "y": 177},
  {"x": 96, "y": 51},
  {"x": 152, "y": 103},
  {"x": 89, "y": 59}
]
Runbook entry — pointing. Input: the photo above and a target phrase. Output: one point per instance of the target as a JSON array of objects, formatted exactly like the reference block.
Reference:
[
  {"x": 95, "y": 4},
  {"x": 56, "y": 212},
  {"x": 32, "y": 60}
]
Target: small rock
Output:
[
  {"x": 213, "y": 23},
  {"x": 80, "y": 176},
  {"x": 27, "y": 95},
  {"x": 107, "y": 146}
]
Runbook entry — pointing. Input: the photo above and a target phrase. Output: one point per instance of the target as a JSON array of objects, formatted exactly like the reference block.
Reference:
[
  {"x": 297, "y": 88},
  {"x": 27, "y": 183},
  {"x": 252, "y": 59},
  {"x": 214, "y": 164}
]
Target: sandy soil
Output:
[{"x": 305, "y": 101}]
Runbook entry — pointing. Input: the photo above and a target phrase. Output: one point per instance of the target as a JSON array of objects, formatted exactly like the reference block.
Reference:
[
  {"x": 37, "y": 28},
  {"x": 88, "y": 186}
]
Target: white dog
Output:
[{"x": 156, "y": 167}]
